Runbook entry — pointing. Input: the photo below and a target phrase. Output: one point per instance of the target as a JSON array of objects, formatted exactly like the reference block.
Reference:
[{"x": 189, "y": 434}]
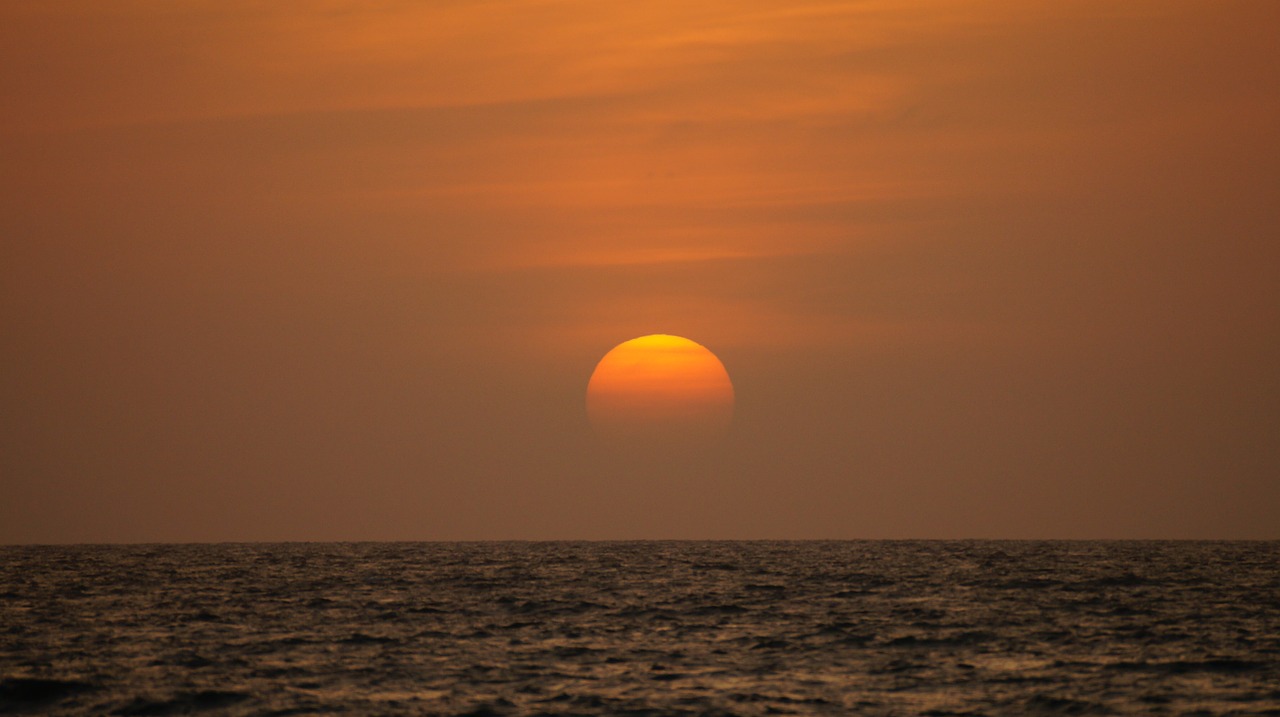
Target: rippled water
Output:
[{"x": 641, "y": 628}]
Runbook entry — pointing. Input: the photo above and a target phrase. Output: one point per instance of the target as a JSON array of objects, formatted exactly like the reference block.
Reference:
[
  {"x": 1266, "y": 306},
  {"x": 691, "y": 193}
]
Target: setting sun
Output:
[{"x": 660, "y": 389}]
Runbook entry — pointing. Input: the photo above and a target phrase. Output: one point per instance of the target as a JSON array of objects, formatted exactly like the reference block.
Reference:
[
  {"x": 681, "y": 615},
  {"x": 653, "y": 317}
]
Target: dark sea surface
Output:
[{"x": 643, "y": 628}]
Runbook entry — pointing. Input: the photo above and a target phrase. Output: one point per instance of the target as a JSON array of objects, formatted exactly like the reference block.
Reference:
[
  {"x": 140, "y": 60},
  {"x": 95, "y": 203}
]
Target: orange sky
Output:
[{"x": 342, "y": 270}]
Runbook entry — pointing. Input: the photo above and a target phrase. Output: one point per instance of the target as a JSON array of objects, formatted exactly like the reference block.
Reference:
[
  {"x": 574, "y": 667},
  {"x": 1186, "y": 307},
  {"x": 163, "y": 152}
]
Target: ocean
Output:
[{"x": 642, "y": 628}]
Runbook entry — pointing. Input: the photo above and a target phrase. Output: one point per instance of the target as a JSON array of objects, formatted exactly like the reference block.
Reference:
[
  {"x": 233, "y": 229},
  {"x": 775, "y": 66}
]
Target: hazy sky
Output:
[{"x": 341, "y": 271}]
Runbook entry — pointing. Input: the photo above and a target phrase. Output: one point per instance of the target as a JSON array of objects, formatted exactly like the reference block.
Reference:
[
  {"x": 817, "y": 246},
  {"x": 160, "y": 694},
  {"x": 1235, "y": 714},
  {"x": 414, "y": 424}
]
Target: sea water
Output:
[{"x": 642, "y": 628}]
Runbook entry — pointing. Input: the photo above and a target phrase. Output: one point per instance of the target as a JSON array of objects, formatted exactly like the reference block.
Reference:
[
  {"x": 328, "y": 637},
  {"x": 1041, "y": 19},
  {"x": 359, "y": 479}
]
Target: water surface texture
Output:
[{"x": 643, "y": 628}]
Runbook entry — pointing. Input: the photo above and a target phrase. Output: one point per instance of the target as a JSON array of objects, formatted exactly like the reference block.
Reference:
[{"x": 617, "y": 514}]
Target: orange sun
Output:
[{"x": 660, "y": 391}]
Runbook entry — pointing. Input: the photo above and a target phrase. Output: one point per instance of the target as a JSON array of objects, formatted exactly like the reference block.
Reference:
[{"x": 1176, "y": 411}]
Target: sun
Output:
[{"x": 660, "y": 391}]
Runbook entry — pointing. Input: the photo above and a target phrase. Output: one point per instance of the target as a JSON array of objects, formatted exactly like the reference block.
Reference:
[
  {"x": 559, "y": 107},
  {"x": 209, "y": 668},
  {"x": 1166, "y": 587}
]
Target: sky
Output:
[{"x": 342, "y": 270}]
